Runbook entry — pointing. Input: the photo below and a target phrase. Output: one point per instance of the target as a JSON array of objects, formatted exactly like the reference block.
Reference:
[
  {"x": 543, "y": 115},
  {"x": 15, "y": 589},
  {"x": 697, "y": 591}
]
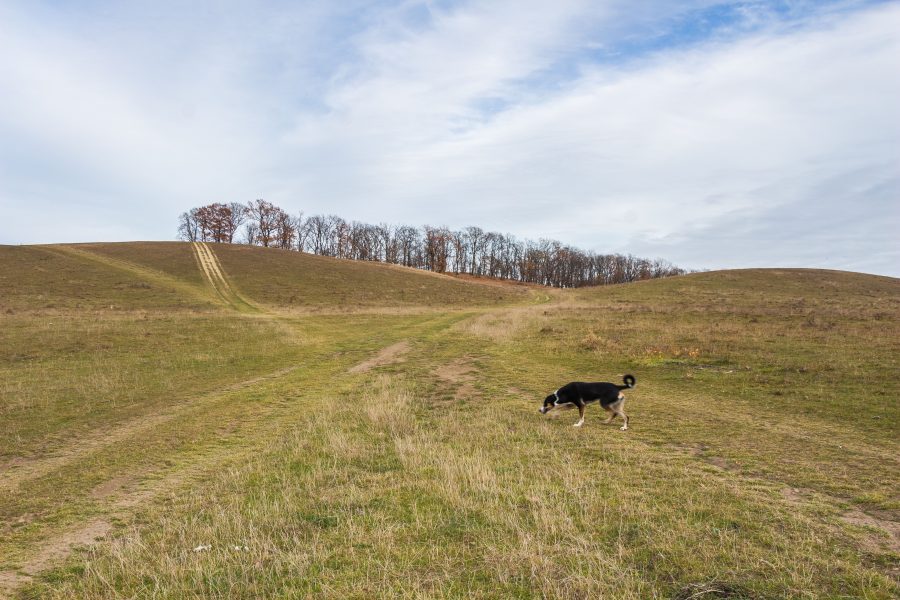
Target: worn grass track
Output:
[
  {"x": 215, "y": 276},
  {"x": 395, "y": 450}
]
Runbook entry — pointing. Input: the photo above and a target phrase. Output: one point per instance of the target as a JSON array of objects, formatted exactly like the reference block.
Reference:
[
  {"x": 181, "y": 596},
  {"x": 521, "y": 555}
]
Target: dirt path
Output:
[
  {"x": 23, "y": 469},
  {"x": 215, "y": 275},
  {"x": 122, "y": 496},
  {"x": 119, "y": 496},
  {"x": 388, "y": 355}
]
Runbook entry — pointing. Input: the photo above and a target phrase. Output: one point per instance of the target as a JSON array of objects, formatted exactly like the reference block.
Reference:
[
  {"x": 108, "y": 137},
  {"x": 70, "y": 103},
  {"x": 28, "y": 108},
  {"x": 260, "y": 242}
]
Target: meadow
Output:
[{"x": 308, "y": 427}]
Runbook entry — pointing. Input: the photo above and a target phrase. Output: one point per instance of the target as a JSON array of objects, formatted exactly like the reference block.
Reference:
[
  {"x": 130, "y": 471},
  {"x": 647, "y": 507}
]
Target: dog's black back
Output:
[
  {"x": 606, "y": 393},
  {"x": 580, "y": 393}
]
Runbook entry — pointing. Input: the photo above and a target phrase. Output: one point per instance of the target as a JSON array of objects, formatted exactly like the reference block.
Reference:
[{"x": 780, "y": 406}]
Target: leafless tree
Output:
[
  {"x": 471, "y": 250},
  {"x": 188, "y": 228},
  {"x": 265, "y": 216}
]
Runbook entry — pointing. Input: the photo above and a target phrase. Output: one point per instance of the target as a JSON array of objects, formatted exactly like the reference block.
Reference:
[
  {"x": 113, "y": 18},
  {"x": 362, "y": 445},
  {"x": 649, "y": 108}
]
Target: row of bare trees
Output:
[{"x": 470, "y": 250}]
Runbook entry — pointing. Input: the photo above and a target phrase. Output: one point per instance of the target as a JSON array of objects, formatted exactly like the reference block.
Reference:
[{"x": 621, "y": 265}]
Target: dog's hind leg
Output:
[
  {"x": 618, "y": 409},
  {"x": 612, "y": 415}
]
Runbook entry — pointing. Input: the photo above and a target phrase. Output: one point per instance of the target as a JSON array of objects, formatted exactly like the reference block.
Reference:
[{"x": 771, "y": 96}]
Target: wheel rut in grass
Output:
[
  {"x": 24, "y": 469},
  {"x": 215, "y": 276},
  {"x": 119, "y": 497},
  {"x": 53, "y": 550},
  {"x": 386, "y": 356},
  {"x": 882, "y": 526}
]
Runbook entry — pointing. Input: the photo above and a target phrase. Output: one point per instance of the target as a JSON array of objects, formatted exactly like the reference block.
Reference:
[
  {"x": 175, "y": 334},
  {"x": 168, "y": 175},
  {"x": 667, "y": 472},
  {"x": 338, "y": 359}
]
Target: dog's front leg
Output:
[{"x": 580, "y": 415}]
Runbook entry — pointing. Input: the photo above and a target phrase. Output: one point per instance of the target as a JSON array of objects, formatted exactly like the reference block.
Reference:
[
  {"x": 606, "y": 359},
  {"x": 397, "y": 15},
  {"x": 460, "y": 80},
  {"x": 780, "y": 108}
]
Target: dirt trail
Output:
[
  {"x": 388, "y": 355},
  {"x": 122, "y": 496},
  {"x": 215, "y": 275},
  {"x": 24, "y": 469},
  {"x": 119, "y": 496}
]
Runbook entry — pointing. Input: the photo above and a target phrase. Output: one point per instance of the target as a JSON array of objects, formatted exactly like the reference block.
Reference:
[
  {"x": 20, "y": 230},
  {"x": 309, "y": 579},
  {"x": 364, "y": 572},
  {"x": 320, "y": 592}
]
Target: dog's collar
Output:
[{"x": 556, "y": 395}]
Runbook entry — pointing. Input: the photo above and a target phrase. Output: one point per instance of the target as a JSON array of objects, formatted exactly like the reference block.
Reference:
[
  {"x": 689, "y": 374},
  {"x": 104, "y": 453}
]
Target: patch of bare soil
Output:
[
  {"x": 10, "y": 580},
  {"x": 110, "y": 487},
  {"x": 55, "y": 549},
  {"x": 885, "y": 523},
  {"x": 795, "y": 495},
  {"x": 52, "y": 551},
  {"x": 121, "y": 495},
  {"x": 701, "y": 451},
  {"x": 460, "y": 373},
  {"x": 386, "y": 356},
  {"x": 880, "y": 520}
]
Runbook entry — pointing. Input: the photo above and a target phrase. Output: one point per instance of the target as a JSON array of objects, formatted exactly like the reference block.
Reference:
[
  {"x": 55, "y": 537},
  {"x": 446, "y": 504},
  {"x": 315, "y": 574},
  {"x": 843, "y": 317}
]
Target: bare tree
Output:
[
  {"x": 302, "y": 227},
  {"x": 471, "y": 250},
  {"x": 388, "y": 242},
  {"x": 188, "y": 228},
  {"x": 285, "y": 230},
  {"x": 475, "y": 242},
  {"x": 236, "y": 215},
  {"x": 265, "y": 216},
  {"x": 318, "y": 234},
  {"x": 251, "y": 233},
  {"x": 407, "y": 245}
]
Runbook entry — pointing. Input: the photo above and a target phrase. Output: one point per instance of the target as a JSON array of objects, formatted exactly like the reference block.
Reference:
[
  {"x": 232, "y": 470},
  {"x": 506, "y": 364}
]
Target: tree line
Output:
[{"x": 470, "y": 250}]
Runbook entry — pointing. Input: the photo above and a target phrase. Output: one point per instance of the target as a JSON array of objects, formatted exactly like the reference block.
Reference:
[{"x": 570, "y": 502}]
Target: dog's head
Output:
[{"x": 549, "y": 401}]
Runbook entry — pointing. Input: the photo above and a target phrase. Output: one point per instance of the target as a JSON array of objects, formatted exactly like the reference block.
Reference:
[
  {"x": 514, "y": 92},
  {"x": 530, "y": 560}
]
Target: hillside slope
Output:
[
  {"x": 368, "y": 431},
  {"x": 266, "y": 276}
]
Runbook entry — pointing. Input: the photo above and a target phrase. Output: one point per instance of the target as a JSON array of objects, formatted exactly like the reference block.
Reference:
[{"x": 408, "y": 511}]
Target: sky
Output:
[{"x": 711, "y": 134}]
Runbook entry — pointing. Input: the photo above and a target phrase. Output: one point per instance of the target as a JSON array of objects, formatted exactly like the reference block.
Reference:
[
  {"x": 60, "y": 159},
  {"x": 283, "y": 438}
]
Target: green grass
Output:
[{"x": 761, "y": 461}]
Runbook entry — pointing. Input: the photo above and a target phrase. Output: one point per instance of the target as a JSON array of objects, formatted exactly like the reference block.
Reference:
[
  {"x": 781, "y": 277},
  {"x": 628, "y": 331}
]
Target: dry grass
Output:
[
  {"x": 231, "y": 455},
  {"x": 283, "y": 279},
  {"x": 390, "y": 501}
]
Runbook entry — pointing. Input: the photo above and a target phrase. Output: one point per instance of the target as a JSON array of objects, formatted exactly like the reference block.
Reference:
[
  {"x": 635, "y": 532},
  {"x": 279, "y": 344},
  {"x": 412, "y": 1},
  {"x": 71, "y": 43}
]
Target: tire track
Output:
[
  {"x": 29, "y": 469},
  {"x": 215, "y": 276},
  {"x": 122, "y": 496},
  {"x": 57, "y": 547}
]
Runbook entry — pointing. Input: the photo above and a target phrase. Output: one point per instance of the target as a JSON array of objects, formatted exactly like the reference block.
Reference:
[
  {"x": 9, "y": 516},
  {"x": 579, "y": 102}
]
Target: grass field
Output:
[{"x": 325, "y": 428}]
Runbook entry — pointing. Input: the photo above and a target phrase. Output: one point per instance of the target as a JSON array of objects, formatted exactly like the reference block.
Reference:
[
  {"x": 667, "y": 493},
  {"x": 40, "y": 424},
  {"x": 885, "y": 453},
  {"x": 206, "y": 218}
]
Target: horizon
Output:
[
  {"x": 712, "y": 135},
  {"x": 452, "y": 273}
]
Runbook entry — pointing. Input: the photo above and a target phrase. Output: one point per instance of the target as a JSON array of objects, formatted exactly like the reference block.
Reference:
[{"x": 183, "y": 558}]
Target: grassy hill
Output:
[
  {"x": 277, "y": 279},
  {"x": 307, "y": 426}
]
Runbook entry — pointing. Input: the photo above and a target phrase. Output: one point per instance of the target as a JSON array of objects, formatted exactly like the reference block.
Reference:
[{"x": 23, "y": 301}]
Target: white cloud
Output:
[
  {"x": 714, "y": 153},
  {"x": 628, "y": 159}
]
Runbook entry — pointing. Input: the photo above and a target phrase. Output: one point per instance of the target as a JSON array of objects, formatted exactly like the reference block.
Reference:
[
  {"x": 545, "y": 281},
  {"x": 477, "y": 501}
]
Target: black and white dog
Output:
[{"x": 580, "y": 394}]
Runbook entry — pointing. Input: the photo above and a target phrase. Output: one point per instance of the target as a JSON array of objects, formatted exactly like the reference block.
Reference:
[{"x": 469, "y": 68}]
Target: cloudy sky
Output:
[{"x": 712, "y": 134}]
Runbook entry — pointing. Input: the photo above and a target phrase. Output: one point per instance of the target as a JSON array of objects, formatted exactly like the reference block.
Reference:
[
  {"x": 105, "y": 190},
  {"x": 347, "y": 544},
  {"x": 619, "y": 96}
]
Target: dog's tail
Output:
[{"x": 629, "y": 382}]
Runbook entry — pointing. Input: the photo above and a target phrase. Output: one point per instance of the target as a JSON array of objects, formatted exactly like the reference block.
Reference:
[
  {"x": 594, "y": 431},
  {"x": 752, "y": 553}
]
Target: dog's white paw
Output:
[
  {"x": 578, "y": 424},
  {"x": 624, "y": 428}
]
